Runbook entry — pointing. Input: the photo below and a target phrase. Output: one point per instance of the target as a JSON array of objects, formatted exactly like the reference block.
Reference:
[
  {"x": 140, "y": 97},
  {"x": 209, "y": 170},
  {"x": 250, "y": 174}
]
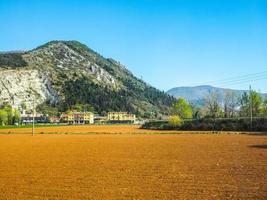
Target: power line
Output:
[
  {"x": 237, "y": 78},
  {"x": 246, "y": 80}
]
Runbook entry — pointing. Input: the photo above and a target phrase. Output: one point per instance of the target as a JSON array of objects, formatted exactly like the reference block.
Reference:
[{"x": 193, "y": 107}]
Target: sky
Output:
[{"x": 167, "y": 43}]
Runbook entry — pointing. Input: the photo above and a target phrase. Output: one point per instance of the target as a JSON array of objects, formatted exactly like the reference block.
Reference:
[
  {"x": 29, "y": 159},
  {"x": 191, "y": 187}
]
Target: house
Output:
[
  {"x": 100, "y": 119},
  {"x": 54, "y": 119},
  {"x": 67, "y": 118},
  {"x": 121, "y": 117},
  {"x": 78, "y": 118},
  {"x": 38, "y": 118}
]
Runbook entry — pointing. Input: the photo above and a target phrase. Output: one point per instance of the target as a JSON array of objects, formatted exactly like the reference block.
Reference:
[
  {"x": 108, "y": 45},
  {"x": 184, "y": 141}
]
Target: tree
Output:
[
  {"x": 182, "y": 109},
  {"x": 9, "y": 115},
  {"x": 88, "y": 108},
  {"x": 23, "y": 106},
  {"x": 230, "y": 104},
  {"x": 149, "y": 115},
  {"x": 248, "y": 102},
  {"x": 175, "y": 121},
  {"x": 78, "y": 107},
  {"x": 264, "y": 108},
  {"x": 244, "y": 102},
  {"x": 9, "y": 112},
  {"x": 3, "y": 117},
  {"x": 16, "y": 116},
  {"x": 47, "y": 109},
  {"x": 256, "y": 103},
  {"x": 196, "y": 110},
  {"x": 213, "y": 106}
]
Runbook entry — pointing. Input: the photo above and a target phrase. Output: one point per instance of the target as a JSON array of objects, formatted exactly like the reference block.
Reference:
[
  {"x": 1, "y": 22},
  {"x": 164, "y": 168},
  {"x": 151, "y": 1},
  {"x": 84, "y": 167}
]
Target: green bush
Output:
[{"x": 175, "y": 121}]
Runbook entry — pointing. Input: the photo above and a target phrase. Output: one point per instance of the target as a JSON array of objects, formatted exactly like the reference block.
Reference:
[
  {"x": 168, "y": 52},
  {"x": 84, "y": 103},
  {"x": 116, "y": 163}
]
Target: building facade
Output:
[
  {"x": 54, "y": 119},
  {"x": 38, "y": 118},
  {"x": 120, "y": 117},
  {"x": 78, "y": 118}
]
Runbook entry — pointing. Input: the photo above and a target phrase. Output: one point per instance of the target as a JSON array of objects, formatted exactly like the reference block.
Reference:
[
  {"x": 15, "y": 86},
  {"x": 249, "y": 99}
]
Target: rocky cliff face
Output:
[
  {"x": 23, "y": 86},
  {"x": 68, "y": 73}
]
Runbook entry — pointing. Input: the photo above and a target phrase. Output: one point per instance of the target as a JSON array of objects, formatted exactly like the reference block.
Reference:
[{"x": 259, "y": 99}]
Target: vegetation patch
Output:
[
  {"x": 12, "y": 60},
  {"x": 238, "y": 124}
]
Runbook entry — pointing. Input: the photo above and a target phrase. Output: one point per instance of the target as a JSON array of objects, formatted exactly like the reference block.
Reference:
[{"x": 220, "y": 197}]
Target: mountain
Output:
[
  {"x": 198, "y": 94},
  {"x": 65, "y": 73}
]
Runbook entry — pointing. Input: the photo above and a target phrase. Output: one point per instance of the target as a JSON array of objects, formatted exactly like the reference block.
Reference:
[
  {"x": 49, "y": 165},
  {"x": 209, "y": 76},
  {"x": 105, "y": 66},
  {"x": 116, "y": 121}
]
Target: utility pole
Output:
[
  {"x": 251, "y": 107},
  {"x": 33, "y": 113}
]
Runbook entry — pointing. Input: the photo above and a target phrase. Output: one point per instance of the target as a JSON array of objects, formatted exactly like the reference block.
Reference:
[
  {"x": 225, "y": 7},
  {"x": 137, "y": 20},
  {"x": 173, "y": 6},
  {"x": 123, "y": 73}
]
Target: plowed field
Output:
[
  {"x": 128, "y": 166},
  {"x": 103, "y": 129}
]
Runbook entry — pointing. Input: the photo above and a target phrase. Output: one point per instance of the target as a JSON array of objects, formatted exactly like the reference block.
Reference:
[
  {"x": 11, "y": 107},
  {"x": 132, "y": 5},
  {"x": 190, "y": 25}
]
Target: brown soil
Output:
[
  {"x": 96, "y": 129},
  {"x": 128, "y": 166},
  {"x": 114, "y": 129}
]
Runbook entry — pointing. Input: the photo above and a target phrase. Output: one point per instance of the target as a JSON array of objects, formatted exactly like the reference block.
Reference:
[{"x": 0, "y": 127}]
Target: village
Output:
[{"x": 75, "y": 117}]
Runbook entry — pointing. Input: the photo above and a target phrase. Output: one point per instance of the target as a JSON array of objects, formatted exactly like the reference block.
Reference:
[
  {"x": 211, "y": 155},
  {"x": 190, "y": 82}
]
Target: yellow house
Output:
[
  {"x": 69, "y": 117},
  {"x": 88, "y": 117},
  {"x": 78, "y": 118},
  {"x": 121, "y": 117}
]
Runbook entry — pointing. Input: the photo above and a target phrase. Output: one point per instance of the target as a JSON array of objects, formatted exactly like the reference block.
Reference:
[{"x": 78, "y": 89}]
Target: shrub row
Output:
[{"x": 237, "y": 124}]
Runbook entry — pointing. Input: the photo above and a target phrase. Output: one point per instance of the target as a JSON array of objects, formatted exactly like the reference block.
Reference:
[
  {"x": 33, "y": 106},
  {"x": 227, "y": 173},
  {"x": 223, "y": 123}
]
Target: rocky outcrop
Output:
[{"x": 19, "y": 87}]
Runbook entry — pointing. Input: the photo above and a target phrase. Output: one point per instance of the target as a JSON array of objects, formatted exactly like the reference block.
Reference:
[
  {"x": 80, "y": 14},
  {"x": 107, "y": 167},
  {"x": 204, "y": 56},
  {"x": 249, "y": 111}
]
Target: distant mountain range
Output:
[{"x": 198, "y": 94}]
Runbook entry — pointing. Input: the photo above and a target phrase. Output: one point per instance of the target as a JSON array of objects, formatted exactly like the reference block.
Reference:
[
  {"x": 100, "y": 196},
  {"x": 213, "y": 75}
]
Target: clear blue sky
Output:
[{"x": 167, "y": 42}]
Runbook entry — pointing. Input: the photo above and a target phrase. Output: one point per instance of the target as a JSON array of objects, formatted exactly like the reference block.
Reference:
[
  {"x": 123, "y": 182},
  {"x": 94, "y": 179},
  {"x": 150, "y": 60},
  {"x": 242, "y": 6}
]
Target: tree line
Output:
[
  {"x": 232, "y": 106},
  {"x": 232, "y": 112},
  {"x": 8, "y": 115}
]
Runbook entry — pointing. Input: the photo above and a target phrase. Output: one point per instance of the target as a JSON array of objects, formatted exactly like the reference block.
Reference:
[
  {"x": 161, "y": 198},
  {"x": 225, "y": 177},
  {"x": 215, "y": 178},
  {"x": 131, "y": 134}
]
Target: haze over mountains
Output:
[
  {"x": 198, "y": 94},
  {"x": 65, "y": 73}
]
